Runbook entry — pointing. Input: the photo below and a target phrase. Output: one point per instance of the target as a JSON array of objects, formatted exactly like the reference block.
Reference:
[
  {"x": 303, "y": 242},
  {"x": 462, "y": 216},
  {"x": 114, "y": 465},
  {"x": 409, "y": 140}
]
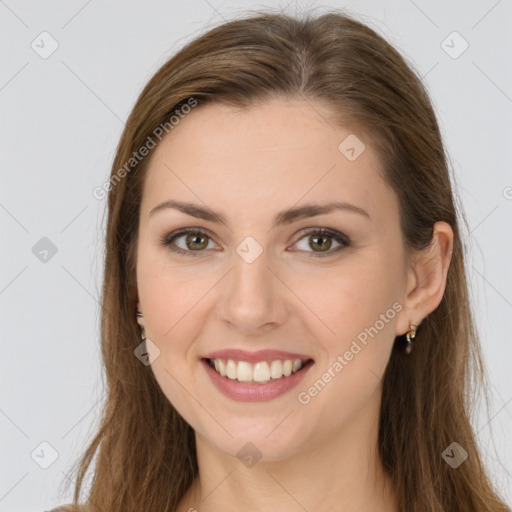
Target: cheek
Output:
[
  {"x": 165, "y": 296},
  {"x": 345, "y": 299},
  {"x": 176, "y": 306},
  {"x": 171, "y": 306},
  {"x": 358, "y": 308},
  {"x": 173, "y": 324}
]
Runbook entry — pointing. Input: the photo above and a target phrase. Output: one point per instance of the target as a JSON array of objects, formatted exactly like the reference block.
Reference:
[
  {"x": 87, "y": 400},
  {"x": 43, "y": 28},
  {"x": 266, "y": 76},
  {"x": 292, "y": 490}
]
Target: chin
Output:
[{"x": 265, "y": 440}]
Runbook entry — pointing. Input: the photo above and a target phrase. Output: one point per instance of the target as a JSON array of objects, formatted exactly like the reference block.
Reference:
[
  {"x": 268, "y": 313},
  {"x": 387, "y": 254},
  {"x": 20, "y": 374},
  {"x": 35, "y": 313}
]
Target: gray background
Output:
[{"x": 60, "y": 123}]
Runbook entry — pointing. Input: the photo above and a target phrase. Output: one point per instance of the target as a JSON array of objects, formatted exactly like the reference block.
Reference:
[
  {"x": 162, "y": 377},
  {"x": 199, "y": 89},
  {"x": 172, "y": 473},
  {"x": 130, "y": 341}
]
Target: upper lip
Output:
[{"x": 255, "y": 357}]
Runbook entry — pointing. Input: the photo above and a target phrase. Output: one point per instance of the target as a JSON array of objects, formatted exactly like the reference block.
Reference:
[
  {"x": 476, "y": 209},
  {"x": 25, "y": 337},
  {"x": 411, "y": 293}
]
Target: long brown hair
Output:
[{"x": 145, "y": 451}]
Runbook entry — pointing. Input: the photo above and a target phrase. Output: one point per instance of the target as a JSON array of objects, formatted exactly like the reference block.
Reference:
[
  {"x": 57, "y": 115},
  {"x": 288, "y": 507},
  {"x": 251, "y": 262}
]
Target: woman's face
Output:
[{"x": 253, "y": 284}]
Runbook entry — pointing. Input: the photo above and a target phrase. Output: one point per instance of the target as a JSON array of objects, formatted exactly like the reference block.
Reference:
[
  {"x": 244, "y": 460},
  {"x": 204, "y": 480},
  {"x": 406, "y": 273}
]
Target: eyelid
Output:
[
  {"x": 169, "y": 239},
  {"x": 338, "y": 236},
  {"x": 332, "y": 233}
]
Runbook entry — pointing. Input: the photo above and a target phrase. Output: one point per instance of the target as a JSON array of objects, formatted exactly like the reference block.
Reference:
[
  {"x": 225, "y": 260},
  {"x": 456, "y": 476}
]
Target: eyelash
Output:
[{"x": 339, "y": 237}]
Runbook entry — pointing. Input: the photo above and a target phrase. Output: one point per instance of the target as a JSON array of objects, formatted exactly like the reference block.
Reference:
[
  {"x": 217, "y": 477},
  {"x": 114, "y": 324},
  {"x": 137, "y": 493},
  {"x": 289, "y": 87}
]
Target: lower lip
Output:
[{"x": 247, "y": 392}]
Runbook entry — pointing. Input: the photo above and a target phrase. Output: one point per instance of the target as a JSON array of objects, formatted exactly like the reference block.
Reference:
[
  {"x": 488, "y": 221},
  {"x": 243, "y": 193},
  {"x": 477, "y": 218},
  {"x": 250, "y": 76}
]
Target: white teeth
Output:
[
  {"x": 276, "y": 369},
  {"x": 222, "y": 367},
  {"x": 244, "y": 373},
  {"x": 287, "y": 368},
  {"x": 231, "y": 369},
  {"x": 260, "y": 372}
]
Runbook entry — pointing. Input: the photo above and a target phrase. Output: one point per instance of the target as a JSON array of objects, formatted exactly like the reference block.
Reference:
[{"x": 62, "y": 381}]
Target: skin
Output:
[{"x": 250, "y": 164}]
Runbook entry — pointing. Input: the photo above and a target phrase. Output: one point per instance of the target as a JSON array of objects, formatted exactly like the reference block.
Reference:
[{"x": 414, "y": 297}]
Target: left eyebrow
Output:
[{"x": 282, "y": 218}]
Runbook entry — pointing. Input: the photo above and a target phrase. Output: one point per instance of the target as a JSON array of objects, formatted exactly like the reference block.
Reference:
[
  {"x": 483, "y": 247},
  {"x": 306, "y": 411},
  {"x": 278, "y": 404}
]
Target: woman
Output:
[{"x": 285, "y": 314}]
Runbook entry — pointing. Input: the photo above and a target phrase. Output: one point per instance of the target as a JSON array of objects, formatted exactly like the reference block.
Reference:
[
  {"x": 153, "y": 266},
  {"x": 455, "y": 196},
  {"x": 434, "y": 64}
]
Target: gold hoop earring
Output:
[
  {"x": 410, "y": 337},
  {"x": 143, "y": 333}
]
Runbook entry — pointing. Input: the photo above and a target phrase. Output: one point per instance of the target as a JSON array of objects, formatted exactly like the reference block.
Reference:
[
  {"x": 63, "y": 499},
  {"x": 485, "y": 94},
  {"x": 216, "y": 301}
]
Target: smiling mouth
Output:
[{"x": 261, "y": 372}]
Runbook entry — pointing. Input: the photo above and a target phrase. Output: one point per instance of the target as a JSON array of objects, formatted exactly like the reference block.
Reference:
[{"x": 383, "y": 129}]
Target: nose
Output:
[{"x": 254, "y": 299}]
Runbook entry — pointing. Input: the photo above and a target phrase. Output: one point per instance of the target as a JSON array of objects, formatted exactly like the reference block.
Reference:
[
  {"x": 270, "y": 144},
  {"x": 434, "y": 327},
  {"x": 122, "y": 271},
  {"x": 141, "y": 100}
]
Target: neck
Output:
[{"x": 342, "y": 472}]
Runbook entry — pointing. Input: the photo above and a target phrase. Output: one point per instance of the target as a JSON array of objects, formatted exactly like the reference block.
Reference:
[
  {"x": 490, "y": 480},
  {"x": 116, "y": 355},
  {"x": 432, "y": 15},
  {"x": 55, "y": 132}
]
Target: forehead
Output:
[{"x": 279, "y": 151}]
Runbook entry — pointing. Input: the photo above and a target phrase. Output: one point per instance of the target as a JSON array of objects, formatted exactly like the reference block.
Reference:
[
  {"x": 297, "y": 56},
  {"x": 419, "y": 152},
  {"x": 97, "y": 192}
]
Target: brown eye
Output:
[
  {"x": 194, "y": 242},
  {"x": 320, "y": 240}
]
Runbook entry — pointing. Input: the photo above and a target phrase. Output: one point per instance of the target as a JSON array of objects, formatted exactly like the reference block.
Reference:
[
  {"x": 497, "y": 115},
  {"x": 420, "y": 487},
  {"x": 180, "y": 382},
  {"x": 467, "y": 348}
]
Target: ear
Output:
[{"x": 426, "y": 280}]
